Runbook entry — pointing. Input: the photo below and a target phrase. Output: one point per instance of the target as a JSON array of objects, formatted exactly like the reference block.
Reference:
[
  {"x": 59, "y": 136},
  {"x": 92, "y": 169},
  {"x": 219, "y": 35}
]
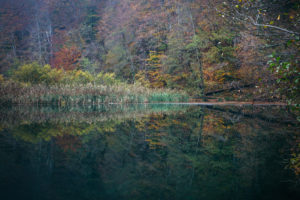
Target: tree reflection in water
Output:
[{"x": 148, "y": 152}]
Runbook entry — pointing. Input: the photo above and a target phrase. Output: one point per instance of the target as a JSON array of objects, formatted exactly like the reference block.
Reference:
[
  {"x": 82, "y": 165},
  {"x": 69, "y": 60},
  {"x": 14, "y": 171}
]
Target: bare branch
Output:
[{"x": 271, "y": 26}]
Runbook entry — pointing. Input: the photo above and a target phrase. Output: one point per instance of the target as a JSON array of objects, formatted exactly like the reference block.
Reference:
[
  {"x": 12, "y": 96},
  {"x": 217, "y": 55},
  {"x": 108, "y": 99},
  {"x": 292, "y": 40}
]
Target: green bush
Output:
[
  {"x": 82, "y": 77},
  {"x": 33, "y": 73},
  {"x": 29, "y": 73},
  {"x": 51, "y": 76},
  {"x": 106, "y": 78}
]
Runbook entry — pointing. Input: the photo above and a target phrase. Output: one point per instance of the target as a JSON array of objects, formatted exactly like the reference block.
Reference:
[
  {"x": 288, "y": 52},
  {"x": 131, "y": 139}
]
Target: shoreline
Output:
[{"x": 225, "y": 103}]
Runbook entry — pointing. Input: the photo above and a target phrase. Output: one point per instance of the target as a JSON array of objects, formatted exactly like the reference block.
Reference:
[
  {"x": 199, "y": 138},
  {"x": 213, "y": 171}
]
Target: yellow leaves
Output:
[
  {"x": 56, "y": 75},
  {"x": 82, "y": 77},
  {"x": 106, "y": 78},
  {"x": 271, "y": 22},
  {"x": 154, "y": 58},
  {"x": 140, "y": 77},
  {"x": 278, "y": 18},
  {"x": 181, "y": 76},
  {"x": 221, "y": 76},
  {"x": 153, "y": 76},
  {"x": 1, "y": 78}
]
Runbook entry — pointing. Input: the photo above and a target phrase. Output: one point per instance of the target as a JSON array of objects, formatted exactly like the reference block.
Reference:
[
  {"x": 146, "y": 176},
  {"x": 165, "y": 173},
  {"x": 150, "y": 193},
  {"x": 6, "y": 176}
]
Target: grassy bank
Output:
[
  {"x": 84, "y": 94},
  {"x": 35, "y": 84}
]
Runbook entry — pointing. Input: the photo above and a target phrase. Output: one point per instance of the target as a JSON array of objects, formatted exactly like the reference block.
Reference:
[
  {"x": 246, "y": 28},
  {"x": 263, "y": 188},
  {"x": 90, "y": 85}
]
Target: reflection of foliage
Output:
[
  {"x": 295, "y": 160},
  {"x": 162, "y": 154},
  {"x": 68, "y": 142},
  {"x": 37, "y": 132},
  {"x": 18, "y": 116}
]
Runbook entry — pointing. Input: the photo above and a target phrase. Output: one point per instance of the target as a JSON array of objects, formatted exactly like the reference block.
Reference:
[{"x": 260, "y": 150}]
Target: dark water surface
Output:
[{"x": 148, "y": 152}]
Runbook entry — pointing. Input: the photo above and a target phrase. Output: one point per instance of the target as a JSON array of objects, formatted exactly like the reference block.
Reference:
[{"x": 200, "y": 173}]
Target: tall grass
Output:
[{"x": 84, "y": 94}]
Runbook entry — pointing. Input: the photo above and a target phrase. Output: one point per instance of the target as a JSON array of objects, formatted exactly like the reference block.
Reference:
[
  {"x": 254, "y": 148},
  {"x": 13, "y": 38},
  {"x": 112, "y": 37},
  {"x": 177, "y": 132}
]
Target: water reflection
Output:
[{"x": 147, "y": 152}]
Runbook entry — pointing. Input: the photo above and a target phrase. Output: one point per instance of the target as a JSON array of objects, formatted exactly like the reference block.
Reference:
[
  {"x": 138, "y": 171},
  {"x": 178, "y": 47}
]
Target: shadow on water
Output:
[{"x": 148, "y": 151}]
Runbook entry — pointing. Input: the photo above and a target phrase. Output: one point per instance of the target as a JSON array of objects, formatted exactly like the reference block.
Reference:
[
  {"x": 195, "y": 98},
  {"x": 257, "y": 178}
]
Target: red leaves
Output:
[{"x": 67, "y": 58}]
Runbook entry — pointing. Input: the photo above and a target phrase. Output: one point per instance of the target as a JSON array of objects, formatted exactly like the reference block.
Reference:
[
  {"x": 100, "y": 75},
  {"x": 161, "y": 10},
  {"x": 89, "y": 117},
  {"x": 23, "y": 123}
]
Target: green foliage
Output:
[
  {"x": 82, "y": 77},
  {"x": 221, "y": 47},
  {"x": 116, "y": 57},
  {"x": 86, "y": 65},
  {"x": 223, "y": 36},
  {"x": 174, "y": 60},
  {"x": 199, "y": 41},
  {"x": 167, "y": 97},
  {"x": 51, "y": 76},
  {"x": 106, "y": 79},
  {"x": 77, "y": 77},
  {"x": 89, "y": 28},
  {"x": 52, "y": 86},
  {"x": 288, "y": 76},
  {"x": 35, "y": 74},
  {"x": 29, "y": 73},
  {"x": 212, "y": 55}
]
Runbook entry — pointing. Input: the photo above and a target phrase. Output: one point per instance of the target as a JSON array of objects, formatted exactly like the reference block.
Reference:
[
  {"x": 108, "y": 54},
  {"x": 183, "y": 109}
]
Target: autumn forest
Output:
[
  {"x": 149, "y": 99},
  {"x": 228, "y": 50}
]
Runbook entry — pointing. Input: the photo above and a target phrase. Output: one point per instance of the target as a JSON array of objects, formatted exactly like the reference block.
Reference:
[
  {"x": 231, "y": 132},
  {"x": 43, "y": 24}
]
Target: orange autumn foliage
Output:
[{"x": 67, "y": 58}]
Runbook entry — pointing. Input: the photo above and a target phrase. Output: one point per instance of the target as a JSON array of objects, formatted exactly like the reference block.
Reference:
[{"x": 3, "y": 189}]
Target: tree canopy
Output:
[{"x": 201, "y": 46}]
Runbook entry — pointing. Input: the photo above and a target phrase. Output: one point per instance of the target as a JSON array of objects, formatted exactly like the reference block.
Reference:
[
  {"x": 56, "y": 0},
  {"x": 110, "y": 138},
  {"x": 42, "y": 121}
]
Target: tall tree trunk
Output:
[{"x": 198, "y": 56}]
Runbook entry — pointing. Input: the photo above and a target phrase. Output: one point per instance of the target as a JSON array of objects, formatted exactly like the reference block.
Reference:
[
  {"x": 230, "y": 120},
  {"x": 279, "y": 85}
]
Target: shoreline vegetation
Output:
[
  {"x": 97, "y": 52},
  {"x": 33, "y": 84},
  {"x": 85, "y": 94}
]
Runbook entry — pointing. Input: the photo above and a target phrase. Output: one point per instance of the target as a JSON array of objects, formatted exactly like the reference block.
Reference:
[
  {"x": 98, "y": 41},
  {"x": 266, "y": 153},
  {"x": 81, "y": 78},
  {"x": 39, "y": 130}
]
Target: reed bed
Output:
[{"x": 85, "y": 94}]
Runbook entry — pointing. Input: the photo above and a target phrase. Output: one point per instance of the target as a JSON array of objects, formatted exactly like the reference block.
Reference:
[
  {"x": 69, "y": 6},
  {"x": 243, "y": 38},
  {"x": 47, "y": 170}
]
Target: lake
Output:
[{"x": 149, "y": 151}]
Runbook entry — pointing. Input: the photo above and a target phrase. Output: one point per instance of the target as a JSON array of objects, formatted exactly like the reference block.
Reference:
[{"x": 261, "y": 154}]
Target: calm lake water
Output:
[{"x": 149, "y": 152}]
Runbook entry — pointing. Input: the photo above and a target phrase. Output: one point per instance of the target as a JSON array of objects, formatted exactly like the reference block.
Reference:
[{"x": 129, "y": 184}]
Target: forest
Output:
[
  {"x": 150, "y": 99},
  {"x": 101, "y": 51}
]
